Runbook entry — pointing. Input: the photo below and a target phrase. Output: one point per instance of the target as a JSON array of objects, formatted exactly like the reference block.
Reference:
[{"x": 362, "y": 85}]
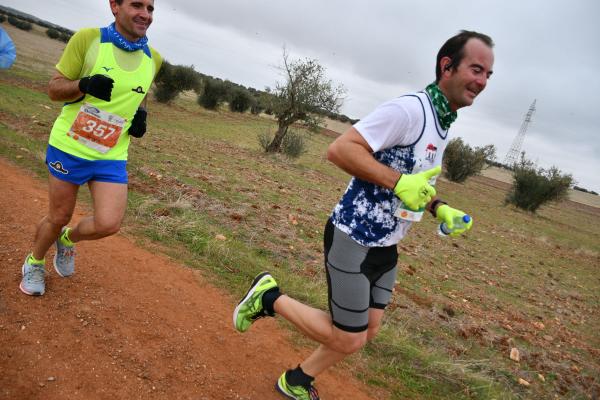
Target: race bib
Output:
[
  {"x": 407, "y": 214},
  {"x": 96, "y": 129}
]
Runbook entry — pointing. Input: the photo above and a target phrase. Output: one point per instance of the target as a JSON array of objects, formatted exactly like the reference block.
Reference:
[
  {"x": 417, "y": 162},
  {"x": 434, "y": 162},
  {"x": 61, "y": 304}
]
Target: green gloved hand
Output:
[
  {"x": 453, "y": 219},
  {"x": 415, "y": 190}
]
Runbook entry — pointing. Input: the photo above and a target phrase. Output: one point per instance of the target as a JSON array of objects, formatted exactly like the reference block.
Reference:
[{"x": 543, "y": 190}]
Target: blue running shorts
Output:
[{"x": 67, "y": 167}]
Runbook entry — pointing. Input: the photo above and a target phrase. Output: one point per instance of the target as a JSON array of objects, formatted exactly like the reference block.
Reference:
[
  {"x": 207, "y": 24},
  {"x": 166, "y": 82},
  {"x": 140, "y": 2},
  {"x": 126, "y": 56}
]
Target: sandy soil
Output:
[{"x": 130, "y": 324}]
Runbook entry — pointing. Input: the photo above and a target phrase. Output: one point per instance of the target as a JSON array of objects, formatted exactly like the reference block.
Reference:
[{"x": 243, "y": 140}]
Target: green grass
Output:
[{"x": 199, "y": 174}]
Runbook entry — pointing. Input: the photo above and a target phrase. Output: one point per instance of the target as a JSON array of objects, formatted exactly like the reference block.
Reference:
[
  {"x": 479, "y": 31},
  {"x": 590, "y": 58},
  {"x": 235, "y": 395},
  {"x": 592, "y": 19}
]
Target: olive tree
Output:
[
  {"x": 304, "y": 96},
  {"x": 173, "y": 79}
]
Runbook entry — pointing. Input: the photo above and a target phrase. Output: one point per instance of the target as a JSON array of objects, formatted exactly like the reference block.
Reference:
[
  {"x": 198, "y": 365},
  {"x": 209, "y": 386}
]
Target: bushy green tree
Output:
[
  {"x": 2, "y": 18},
  {"x": 213, "y": 94},
  {"x": 173, "y": 79},
  {"x": 65, "y": 37},
  {"x": 240, "y": 100},
  {"x": 305, "y": 90},
  {"x": 24, "y": 25},
  {"x": 256, "y": 108},
  {"x": 53, "y": 33},
  {"x": 533, "y": 187},
  {"x": 461, "y": 161},
  {"x": 262, "y": 102}
]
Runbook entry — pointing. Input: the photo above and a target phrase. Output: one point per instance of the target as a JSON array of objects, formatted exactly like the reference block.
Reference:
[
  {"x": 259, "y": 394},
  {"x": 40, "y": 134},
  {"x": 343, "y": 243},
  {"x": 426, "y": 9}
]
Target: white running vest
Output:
[{"x": 366, "y": 211}]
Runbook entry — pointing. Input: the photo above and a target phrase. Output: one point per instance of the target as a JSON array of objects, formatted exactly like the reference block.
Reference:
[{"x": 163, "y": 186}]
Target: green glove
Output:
[
  {"x": 453, "y": 218},
  {"x": 415, "y": 190}
]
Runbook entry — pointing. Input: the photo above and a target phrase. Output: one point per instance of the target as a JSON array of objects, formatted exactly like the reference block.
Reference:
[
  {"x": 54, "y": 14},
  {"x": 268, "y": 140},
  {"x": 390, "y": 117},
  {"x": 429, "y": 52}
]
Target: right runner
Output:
[{"x": 393, "y": 154}]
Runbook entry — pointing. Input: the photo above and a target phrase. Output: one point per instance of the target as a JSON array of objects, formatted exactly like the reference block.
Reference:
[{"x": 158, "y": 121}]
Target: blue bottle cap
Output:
[{"x": 466, "y": 218}]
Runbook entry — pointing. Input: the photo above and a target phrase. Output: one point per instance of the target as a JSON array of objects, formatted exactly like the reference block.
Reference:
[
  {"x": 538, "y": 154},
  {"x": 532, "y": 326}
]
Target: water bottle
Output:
[{"x": 459, "y": 223}]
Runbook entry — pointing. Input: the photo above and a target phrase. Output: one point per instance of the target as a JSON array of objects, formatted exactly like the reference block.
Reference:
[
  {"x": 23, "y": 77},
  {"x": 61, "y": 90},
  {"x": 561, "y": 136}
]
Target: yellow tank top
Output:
[{"x": 130, "y": 88}]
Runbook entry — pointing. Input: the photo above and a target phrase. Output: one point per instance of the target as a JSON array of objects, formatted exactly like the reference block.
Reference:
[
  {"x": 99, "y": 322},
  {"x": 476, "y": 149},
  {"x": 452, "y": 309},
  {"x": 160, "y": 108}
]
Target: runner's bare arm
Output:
[
  {"x": 352, "y": 153},
  {"x": 61, "y": 88}
]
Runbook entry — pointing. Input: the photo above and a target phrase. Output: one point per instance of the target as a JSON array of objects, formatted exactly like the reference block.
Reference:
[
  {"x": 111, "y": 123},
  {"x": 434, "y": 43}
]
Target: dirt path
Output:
[{"x": 128, "y": 325}]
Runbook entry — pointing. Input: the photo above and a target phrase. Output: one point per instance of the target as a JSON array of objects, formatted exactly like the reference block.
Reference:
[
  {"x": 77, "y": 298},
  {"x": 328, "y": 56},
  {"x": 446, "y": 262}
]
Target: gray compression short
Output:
[{"x": 358, "y": 278}]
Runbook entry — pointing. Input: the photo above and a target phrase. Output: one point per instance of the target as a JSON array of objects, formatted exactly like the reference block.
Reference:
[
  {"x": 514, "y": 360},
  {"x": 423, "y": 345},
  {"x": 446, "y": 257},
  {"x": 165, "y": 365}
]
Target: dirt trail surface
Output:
[{"x": 129, "y": 324}]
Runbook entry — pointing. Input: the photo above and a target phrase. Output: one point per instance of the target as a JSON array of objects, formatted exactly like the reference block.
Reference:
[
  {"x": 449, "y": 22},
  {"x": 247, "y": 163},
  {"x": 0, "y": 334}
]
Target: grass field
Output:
[{"x": 202, "y": 192}]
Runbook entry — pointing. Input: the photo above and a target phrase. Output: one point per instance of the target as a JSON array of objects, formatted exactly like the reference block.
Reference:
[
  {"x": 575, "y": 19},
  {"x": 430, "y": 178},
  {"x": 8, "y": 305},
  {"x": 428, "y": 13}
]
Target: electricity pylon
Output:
[{"x": 515, "y": 149}]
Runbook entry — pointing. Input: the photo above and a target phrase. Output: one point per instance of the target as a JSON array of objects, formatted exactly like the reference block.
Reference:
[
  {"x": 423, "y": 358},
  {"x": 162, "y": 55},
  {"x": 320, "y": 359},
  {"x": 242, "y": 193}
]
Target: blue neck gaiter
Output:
[{"x": 118, "y": 40}]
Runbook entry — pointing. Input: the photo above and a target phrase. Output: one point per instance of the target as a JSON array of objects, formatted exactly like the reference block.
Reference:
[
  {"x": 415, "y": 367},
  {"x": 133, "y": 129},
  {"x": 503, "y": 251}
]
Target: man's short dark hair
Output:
[{"x": 454, "y": 49}]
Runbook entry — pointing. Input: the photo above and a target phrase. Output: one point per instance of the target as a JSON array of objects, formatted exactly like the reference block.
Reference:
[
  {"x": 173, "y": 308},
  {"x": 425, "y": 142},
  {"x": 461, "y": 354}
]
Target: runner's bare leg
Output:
[
  {"x": 110, "y": 203},
  {"x": 336, "y": 344},
  {"x": 62, "y": 197}
]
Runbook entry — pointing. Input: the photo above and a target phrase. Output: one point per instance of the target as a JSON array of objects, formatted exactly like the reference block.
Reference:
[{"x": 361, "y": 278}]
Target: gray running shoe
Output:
[
  {"x": 64, "y": 259},
  {"x": 33, "y": 282}
]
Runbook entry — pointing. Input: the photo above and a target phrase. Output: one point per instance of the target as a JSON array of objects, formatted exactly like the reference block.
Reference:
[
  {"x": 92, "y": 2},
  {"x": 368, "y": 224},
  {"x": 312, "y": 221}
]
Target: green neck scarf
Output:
[{"x": 440, "y": 102}]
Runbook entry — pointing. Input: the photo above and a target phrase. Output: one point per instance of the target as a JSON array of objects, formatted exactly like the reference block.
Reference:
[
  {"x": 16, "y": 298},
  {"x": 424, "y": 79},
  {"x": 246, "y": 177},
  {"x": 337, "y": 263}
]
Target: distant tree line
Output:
[
  {"x": 499, "y": 164},
  {"x": 213, "y": 92},
  {"x": 584, "y": 190},
  {"x": 54, "y": 33},
  {"x": 18, "y": 23},
  {"x": 32, "y": 20},
  {"x": 26, "y": 22}
]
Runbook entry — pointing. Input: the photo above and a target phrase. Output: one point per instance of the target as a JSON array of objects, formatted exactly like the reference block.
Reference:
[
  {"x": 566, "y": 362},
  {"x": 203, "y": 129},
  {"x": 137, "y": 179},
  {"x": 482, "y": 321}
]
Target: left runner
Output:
[{"x": 103, "y": 76}]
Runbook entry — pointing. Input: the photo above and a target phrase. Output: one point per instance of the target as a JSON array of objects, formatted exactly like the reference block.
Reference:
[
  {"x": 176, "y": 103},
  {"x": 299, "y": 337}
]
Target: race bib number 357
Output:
[{"x": 96, "y": 129}]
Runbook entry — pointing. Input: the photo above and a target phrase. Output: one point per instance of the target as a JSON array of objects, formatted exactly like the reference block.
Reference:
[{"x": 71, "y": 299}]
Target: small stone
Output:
[
  {"x": 575, "y": 368},
  {"x": 539, "y": 325},
  {"x": 514, "y": 354},
  {"x": 541, "y": 377},
  {"x": 51, "y": 379},
  {"x": 523, "y": 382},
  {"x": 220, "y": 237}
]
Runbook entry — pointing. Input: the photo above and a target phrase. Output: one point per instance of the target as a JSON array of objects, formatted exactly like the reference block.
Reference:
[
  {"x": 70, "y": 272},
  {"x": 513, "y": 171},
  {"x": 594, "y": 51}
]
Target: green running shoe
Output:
[
  {"x": 250, "y": 308},
  {"x": 295, "y": 392}
]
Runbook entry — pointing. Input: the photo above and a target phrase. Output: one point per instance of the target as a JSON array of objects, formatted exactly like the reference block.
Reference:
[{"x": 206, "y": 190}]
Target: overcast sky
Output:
[{"x": 545, "y": 49}]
